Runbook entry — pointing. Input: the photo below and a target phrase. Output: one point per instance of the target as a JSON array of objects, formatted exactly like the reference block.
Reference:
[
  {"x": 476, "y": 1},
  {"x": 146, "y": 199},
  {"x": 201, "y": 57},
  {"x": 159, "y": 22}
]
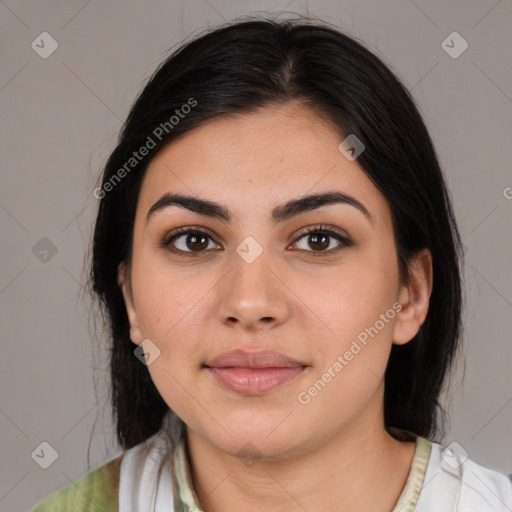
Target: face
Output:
[{"x": 327, "y": 299}]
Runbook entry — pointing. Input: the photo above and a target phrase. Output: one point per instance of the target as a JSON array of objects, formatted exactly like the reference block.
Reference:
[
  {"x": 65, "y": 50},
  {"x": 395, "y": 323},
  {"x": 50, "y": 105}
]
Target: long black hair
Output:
[{"x": 252, "y": 64}]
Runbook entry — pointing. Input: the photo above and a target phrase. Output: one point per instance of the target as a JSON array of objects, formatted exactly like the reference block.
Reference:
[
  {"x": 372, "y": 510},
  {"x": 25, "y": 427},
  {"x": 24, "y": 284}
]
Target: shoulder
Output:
[
  {"x": 486, "y": 486},
  {"x": 97, "y": 490},
  {"x": 455, "y": 483}
]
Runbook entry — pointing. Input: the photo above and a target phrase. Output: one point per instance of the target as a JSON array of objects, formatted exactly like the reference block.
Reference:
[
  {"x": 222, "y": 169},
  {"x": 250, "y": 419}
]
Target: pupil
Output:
[
  {"x": 315, "y": 241},
  {"x": 193, "y": 242}
]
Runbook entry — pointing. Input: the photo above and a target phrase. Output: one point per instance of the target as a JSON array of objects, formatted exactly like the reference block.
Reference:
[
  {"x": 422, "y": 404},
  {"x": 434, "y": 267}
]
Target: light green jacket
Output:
[{"x": 97, "y": 491}]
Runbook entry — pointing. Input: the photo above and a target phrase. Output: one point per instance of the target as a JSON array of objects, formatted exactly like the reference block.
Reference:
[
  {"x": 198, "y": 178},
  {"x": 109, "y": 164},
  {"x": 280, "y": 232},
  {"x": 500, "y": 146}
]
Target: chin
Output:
[{"x": 257, "y": 443}]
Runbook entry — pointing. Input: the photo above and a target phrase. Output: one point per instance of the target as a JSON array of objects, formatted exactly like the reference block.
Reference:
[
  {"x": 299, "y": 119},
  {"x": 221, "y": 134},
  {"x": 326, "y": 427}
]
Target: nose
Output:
[{"x": 252, "y": 295}]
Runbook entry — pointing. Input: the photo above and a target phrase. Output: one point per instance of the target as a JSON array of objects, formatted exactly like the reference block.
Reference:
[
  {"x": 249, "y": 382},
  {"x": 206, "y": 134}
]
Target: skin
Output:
[{"x": 334, "y": 449}]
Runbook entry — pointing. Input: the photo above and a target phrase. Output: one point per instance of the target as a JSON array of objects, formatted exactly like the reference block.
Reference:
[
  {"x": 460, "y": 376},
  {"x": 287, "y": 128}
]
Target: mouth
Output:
[
  {"x": 254, "y": 381},
  {"x": 253, "y": 373}
]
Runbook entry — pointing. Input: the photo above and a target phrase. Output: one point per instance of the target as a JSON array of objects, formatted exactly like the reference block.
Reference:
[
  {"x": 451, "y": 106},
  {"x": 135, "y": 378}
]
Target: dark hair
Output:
[{"x": 249, "y": 65}]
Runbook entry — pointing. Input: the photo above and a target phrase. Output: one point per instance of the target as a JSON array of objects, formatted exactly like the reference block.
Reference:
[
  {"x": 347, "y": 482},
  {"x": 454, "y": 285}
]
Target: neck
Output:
[{"x": 361, "y": 467}]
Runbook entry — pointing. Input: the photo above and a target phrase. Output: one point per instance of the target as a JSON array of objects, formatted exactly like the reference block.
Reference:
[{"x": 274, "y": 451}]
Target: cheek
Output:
[
  {"x": 162, "y": 296},
  {"x": 168, "y": 315},
  {"x": 352, "y": 299},
  {"x": 357, "y": 318},
  {"x": 355, "y": 353}
]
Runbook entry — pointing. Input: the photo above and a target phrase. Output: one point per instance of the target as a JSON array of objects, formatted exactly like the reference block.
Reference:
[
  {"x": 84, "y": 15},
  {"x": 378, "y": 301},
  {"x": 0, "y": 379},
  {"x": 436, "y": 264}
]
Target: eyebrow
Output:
[{"x": 279, "y": 213}]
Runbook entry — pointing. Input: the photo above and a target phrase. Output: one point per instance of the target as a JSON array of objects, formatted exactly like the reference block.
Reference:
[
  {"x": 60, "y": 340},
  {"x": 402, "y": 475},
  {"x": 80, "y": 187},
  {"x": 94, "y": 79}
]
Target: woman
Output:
[{"x": 279, "y": 263}]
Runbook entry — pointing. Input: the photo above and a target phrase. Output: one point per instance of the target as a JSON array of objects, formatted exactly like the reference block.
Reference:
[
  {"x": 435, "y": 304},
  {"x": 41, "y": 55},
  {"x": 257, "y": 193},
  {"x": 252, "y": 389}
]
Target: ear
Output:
[
  {"x": 123, "y": 280},
  {"x": 414, "y": 298}
]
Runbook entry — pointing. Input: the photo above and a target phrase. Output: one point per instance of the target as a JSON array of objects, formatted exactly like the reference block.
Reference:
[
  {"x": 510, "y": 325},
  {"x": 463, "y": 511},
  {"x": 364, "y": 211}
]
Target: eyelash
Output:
[{"x": 321, "y": 229}]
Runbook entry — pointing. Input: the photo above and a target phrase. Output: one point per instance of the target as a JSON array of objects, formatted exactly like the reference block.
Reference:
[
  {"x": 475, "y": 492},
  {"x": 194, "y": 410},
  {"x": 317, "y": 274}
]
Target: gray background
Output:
[{"x": 60, "y": 119}]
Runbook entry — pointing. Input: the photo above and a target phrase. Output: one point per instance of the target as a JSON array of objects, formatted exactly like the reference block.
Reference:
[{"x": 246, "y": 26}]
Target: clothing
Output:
[
  {"x": 96, "y": 491},
  {"x": 440, "y": 480}
]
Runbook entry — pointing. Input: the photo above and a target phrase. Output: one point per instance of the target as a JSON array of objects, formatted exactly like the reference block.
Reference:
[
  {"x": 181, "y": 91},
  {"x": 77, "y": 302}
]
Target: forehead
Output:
[{"x": 258, "y": 160}]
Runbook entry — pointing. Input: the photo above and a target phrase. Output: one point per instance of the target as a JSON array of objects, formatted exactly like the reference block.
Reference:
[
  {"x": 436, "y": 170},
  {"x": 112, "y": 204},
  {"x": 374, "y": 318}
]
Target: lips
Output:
[
  {"x": 253, "y": 373},
  {"x": 246, "y": 359}
]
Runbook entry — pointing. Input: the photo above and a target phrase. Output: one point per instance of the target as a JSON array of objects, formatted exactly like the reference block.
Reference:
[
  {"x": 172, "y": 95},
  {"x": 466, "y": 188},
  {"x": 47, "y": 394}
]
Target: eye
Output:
[
  {"x": 193, "y": 241},
  {"x": 319, "y": 238}
]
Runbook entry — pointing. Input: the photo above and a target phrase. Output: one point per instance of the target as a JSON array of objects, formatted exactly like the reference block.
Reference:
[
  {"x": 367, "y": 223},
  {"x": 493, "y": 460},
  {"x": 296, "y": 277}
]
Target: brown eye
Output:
[
  {"x": 196, "y": 241},
  {"x": 318, "y": 240},
  {"x": 184, "y": 240}
]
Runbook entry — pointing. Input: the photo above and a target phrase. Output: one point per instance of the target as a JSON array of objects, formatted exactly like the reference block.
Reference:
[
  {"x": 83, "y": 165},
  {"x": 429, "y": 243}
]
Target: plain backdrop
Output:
[{"x": 61, "y": 115}]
